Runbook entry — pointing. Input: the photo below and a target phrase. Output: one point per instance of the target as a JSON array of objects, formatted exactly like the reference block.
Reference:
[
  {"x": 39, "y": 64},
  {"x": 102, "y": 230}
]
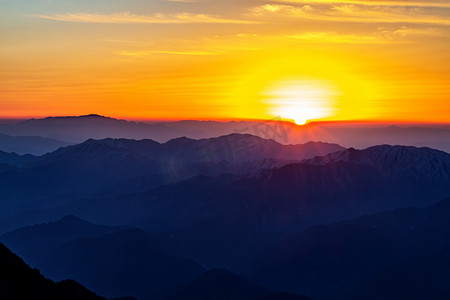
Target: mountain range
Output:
[
  {"x": 203, "y": 217},
  {"x": 120, "y": 262},
  {"x": 77, "y": 129},
  {"x": 397, "y": 254},
  {"x": 228, "y": 210},
  {"x": 119, "y": 166},
  {"x": 35, "y": 145}
]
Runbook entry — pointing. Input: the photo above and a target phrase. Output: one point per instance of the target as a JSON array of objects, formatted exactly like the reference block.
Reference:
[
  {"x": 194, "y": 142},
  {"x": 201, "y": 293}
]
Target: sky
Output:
[{"x": 223, "y": 60}]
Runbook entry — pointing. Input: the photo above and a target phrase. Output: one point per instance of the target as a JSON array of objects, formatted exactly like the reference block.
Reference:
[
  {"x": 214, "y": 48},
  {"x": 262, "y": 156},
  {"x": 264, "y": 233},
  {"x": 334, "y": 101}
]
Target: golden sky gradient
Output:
[{"x": 236, "y": 59}]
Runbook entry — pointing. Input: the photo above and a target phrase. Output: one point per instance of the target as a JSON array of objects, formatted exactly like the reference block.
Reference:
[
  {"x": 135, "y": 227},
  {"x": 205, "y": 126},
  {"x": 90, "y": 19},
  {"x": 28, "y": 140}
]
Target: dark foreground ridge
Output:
[{"x": 18, "y": 282}]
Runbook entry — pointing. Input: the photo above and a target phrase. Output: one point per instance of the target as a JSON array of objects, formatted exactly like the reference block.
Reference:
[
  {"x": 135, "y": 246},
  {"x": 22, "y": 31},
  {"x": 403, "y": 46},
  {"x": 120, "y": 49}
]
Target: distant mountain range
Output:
[
  {"x": 35, "y": 145},
  {"x": 111, "y": 261},
  {"x": 236, "y": 216},
  {"x": 118, "y": 166},
  {"x": 204, "y": 217},
  {"x": 253, "y": 211},
  {"x": 32, "y": 241},
  {"x": 398, "y": 254},
  {"x": 77, "y": 129},
  {"x": 119, "y": 262}
]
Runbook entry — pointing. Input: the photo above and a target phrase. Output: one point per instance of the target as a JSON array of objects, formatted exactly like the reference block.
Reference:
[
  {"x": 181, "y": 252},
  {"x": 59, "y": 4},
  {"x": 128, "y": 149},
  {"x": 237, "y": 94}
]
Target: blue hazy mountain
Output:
[
  {"x": 32, "y": 241},
  {"x": 117, "y": 166},
  {"x": 252, "y": 212},
  {"x": 76, "y": 248},
  {"x": 111, "y": 261},
  {"x": 204, "y": 217},
  {"x": 18, "y": 281},
  {"x": 126, "y": 262},
  {"x": 16, "y": 160},
  {"x": 35, "y": 145},
  {"x": 221, "y": 202},
  {"x": 390, "y": 255}
]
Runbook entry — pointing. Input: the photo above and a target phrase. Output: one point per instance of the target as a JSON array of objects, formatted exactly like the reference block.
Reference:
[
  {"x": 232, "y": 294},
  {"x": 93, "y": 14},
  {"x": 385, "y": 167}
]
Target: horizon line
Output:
[{"x": 225, "y": 120}]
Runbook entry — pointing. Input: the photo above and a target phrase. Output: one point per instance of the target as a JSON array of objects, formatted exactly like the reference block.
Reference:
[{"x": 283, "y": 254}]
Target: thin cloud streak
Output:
[
  {"x": 147, "y": 53},
  {"x": 333, "y": 37},
  {"x": 130, "y": 18},
  {"x": 347, "y": 13},
  {"x": 372, "y": 3},
  {"x": 380, "y": 37}
]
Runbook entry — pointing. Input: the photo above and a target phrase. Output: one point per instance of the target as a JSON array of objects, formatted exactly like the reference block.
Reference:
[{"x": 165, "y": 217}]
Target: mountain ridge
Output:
[{"x": 349, "y": 134}]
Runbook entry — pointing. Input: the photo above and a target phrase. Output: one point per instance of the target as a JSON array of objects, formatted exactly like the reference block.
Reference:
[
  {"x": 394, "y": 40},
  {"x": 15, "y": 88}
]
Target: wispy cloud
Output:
[
  {"x": 442, "y": 4},
  {"x": 382, "y": 36},
  {"x": 147, "y": 53},
  {"x": 405, "y": 31},
  {"x": 349, "y": 13},
  {"x": 333, "y": 37},
  {"x": 130, "y": 18}
]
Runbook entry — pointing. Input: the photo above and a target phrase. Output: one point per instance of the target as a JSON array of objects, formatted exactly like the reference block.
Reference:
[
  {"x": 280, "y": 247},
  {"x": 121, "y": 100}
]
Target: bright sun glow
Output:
[{"x": 301, "y": 100}]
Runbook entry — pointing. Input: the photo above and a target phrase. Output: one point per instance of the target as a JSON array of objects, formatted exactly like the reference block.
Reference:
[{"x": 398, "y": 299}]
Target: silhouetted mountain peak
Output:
[
  {"x": 244, "y": 136},
  {"x": 89, "y": 116},
  {"x": 387, "y": 158},
  {"x": 16, "y": 159},
  {"x": 106, "y": 147},
  {"x": 94, "y": 116},
  {"x": 179, "y": 141}
]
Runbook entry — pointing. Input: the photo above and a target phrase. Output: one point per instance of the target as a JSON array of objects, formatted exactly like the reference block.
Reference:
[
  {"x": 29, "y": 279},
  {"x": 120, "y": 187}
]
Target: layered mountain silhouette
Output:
[
  {"x": 399, "y": 254},
  {"x": 184, "y": 216},
  {"x": 16, "y": 160},
  {"x": 77, "y": 129},
  {"x": 35, "y": 145},
  {"x": 204, "y": 217},
  {"x": 111, "y": 261},
  {"x": 118, "y": 166},
  {"x": 128, "y": 262},
  {"x": 33, "y": 241},
  {"x": 18, "y": 281}
]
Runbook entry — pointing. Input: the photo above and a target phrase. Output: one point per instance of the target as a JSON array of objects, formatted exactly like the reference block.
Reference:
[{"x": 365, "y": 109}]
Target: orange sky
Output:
[{"x": 316, "y": 59}]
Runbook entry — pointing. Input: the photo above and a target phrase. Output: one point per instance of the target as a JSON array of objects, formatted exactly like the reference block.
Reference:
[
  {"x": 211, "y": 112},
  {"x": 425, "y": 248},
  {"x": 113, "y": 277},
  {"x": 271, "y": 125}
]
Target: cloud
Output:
[
  {"x": 147, "y": 53},
  {"x": 333, "y": 37},
  {"x": 442, "y": 4},
  {"x": 405, "y": 31},
  {"x": 382, "y": 36},
  {"x": 130, "y": 18},
  {"x": 349, "y": 13},
  {"x": 246, "y": 35}
]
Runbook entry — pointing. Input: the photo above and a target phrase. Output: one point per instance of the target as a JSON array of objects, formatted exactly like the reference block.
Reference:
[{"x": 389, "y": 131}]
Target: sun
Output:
[{"x": 300, "y": 100}]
